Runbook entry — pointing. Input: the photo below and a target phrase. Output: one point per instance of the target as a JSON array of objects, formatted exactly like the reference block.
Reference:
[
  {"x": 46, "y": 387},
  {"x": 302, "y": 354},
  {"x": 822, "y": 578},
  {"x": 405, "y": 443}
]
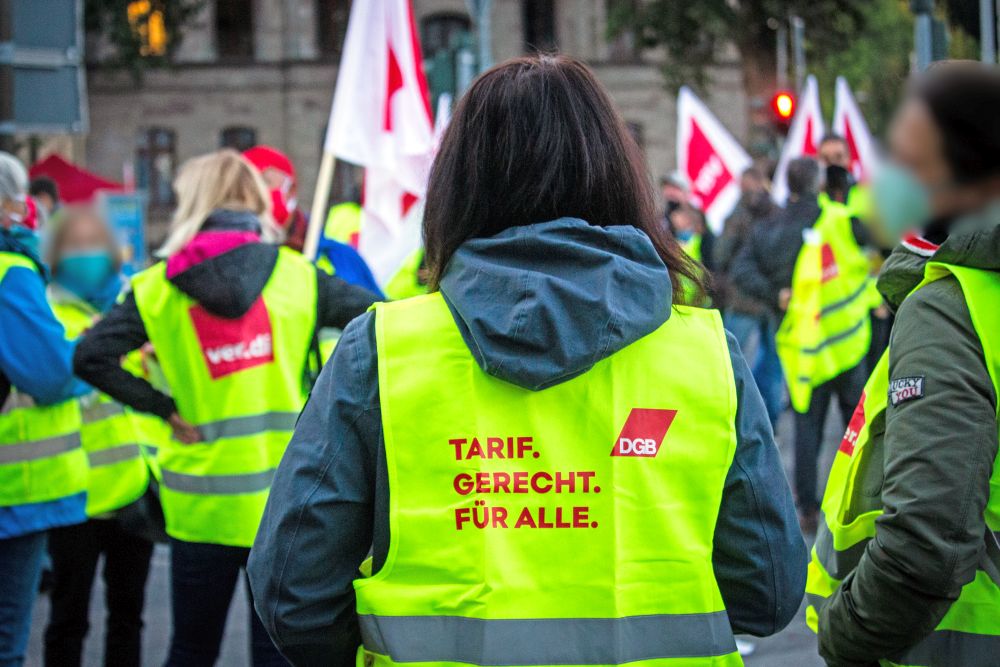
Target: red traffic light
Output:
[{"x": 783, "y": 105}]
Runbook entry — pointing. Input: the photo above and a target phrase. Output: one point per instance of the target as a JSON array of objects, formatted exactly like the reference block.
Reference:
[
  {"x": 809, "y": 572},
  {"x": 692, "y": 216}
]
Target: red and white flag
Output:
[
  {"x": 849, "y": 123},
  {"x": 381, "y": 120},
  {"x": 710, "y": 158},
  {"x": 804, "y": 136}
]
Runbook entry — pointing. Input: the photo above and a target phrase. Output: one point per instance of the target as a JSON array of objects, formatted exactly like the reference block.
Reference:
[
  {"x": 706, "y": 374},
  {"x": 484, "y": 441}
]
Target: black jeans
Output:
[
  {"x": 809, "y": 428},
  {"x": 75, "y": 551},
  {"x": 203, "y": 578}
]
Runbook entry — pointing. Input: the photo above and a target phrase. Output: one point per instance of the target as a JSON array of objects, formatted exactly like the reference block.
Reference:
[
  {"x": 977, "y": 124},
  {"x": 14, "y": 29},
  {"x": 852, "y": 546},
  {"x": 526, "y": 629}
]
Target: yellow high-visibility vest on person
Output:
[
  {"x": 242, "y": 384},
  {"x": 827, "y": 328},
  {"x": 969, "y": 634},
  {"x": 116, "y": 439},
  {"x": 517, "y": 536},
  {"x": 40, "y": 455}
]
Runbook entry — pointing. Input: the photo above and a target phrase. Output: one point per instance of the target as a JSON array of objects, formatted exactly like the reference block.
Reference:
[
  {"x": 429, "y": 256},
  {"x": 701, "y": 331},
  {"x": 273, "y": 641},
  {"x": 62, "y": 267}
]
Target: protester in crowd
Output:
[
  {"x": 748, "y": 318},
  {"x": 764, "y": 270},
  {"x": 685, "y": 221},
  {"x": 232, "y": 318},
  {"x": 46, "y": 193},
  {"x": 559, "y": 280},
  {"x": 922, "y": 450},
  {"x": 43, "y": 473},
  {"x": 334, "y": 257},
  {"x": 86, "y": 263}
]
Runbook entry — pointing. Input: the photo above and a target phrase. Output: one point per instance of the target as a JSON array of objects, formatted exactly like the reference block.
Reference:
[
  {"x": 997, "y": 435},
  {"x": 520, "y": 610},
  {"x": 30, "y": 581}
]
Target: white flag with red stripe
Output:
[
  {"x": 710, "y": 158},
  {"x": 803, "y": 139},
  {"x": 381, "y": 120},
  {"x": 849, "y": 122}
]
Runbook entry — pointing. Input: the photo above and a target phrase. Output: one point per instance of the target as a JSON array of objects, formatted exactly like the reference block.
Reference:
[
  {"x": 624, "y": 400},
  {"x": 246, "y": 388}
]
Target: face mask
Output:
[
  {"x": 903, "y": 202},
  {"x": 685, "y": 235},
  {"x": 86, "y": 273},
  {"x": 26, "y": 237},
  {"x": 279, "y": 208}
]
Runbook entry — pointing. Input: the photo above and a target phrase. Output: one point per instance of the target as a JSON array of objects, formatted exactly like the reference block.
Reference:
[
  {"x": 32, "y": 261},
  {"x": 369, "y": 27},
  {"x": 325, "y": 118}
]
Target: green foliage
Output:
[
  {"x": 875, "y": 61},
  {"x": 110, "y": 19},
  {"x": 693, "y": 33}
]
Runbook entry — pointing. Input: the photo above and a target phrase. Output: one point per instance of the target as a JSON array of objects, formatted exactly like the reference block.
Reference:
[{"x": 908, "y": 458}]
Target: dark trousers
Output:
[
  {"x": 20, "y": 569},
  {"x": 203, "y": 578},
  {"x": 75, "y": 551},
  {"x": 809, "y": 427}
]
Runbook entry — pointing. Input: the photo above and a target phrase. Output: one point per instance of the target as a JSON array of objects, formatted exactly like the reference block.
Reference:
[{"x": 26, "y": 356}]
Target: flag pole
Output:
[{"x": 321, "y": 197}]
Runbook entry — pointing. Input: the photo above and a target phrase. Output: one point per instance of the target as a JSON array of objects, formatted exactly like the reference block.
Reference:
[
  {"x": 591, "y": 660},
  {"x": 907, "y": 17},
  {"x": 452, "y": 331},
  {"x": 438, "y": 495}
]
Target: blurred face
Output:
[
  {"x": 86, "y": 234},
  {"x": 14, "y": 211},
  {"x": 916, "y": 145},
  {"x": 751, "y": 185},
  {"x": 673, "y": 193},
  {"x": 277, "y": 180},
  {"x": 835, "y": 153}
]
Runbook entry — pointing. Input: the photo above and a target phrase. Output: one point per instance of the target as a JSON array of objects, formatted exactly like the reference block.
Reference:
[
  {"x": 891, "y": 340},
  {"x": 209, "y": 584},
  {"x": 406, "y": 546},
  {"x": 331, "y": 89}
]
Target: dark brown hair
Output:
[
  {"x": 536, "y": 139},
  {"x": 963, "y": 98}
]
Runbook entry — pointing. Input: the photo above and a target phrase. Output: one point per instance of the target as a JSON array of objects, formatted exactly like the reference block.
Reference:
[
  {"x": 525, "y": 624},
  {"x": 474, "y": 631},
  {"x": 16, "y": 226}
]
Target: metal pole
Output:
[
  {"x": 923, "y": 36},
  {"x": 987, "y": 28},
  {"x": 321, "y": 196},
  {"x": 799, "y": 50},
  {"x": 782, "y": 55},
  {"x": 482, "y": 12}
]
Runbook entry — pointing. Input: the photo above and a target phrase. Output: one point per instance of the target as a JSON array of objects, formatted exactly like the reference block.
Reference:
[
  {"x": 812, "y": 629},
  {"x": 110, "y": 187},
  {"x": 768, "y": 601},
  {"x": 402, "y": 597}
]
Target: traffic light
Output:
[{"x": 783, "y": 109}]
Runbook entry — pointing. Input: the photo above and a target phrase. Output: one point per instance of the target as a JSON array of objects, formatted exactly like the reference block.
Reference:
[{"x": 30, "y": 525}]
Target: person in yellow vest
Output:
[
  {"x": 85, "y": 261},
  {"x": 545, "y": 461},
  {"x": 43, "y": 470},
  {"x": 906, "y": 566},
  {"x": 232, "y": 319}
]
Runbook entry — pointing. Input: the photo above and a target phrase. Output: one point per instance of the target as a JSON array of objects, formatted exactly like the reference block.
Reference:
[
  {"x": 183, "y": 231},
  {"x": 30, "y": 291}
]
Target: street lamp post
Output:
[
  {"x": 923, "y": 32},
  {"x": 987, "y": 31}
]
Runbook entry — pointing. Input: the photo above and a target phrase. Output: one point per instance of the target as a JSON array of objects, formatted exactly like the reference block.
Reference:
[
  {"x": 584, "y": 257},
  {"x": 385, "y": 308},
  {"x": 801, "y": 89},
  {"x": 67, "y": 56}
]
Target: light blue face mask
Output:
[
  {"x": 903, "y": 202},
  {"x": 685, "y": 235}
]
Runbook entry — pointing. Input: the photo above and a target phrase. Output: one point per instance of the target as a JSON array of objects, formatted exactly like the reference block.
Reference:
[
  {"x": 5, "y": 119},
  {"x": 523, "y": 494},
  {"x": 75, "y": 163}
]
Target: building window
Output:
[
  {"x": 539, "y": 24},
  {"x": 234, "y": 29},
  {"x": 441, "y": 32},
  {"x": 155, "y": 162},
  {"x": 238, "y": 138},
  {"x": 331, "y": 26},
  {"x": 147, "y": 23}
]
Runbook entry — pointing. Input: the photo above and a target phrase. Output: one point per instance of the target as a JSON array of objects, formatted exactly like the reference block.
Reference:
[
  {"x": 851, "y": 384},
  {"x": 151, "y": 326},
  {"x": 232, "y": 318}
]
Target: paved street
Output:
[{"x": 794, "y": 647}]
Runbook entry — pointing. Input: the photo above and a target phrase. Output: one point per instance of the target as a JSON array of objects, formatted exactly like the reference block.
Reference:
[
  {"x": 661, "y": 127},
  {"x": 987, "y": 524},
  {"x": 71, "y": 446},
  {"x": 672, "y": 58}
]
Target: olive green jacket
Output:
[{"x": 938, "y": 455}]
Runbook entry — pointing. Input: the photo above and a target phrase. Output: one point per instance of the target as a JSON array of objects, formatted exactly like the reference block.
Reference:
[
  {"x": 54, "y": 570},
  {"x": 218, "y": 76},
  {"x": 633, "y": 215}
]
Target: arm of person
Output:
[
  {"x": 99, "y": 354},
  {"x": 747, "y": 275},
  {"x": 759, "y": 556},
  {"x": 35, "y": 356},
  {"x": 939, "y": 453},
  {"x": 318, "y": 524},
  {"x": 338, "y": 302}
]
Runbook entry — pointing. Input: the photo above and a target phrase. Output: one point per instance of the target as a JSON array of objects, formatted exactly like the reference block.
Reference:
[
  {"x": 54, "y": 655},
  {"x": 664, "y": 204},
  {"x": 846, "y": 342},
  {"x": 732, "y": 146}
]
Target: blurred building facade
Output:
[{"x": 263, "y": 71}]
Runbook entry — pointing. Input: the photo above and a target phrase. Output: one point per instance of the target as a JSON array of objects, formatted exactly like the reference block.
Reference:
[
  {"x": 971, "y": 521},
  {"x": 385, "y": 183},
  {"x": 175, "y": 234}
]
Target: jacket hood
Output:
[
  {"x": 540, "y": 304},
  {"x": 225, "y": 266},
  {"x": 973, "y": 241}
]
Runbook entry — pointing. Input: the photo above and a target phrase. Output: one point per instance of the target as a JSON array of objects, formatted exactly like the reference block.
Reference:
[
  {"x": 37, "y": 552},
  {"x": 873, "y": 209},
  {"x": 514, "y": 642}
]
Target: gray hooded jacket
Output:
[{"x": 536, "y": 305}]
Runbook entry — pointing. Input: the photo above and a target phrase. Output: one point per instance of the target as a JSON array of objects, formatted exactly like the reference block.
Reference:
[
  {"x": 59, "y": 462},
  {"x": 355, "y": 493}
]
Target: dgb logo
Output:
[{"x": 643, "y": 432}]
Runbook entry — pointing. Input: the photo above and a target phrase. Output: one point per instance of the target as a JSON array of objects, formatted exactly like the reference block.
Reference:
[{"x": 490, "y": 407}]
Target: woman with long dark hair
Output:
[{"x": 545, "y": 436}]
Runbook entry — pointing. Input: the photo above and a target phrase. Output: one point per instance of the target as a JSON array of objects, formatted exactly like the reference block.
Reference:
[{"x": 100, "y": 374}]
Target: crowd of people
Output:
[{"x": 428, "y": 480}]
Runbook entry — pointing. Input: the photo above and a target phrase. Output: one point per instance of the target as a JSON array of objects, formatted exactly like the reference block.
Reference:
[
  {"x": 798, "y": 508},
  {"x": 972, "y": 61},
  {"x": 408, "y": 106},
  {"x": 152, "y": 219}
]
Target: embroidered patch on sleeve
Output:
[{"x": 906, "y": 389}]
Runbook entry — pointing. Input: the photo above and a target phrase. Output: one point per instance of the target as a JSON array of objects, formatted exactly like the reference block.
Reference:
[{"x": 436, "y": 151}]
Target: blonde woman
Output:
[{"x": 232, "y": 318}]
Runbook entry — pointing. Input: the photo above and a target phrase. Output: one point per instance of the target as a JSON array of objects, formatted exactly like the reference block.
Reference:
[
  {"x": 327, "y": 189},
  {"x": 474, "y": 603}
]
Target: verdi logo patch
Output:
[{"x": 230, "y": 346}]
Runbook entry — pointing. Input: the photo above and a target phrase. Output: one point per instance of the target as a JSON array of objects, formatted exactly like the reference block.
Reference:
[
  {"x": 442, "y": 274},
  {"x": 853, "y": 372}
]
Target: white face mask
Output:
[{"x": 17, "y": 218}]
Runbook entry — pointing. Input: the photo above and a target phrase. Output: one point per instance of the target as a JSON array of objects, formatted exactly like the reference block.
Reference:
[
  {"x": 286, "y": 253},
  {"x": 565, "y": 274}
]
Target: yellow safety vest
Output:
[
  {"x": 568, "y": 526},
  {"x": 692, "y": 248},
  {"x": 117, "y": 439},
  {"x": 406, "y": 281},
  {"x": 343, "y": 223},
  {"x": 242, "y": 384},
  {"x": 40, "y": 455},
  {"x": 827, "y": 328},
  {"x": 969, "y": 634}
]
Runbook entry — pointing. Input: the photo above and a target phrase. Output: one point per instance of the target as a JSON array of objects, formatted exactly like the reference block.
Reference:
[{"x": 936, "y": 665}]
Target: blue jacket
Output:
[
  {"x": 348, "y": 265},
  {"x": 537, "y": 305},
  {"x": 36, "y": 358}
]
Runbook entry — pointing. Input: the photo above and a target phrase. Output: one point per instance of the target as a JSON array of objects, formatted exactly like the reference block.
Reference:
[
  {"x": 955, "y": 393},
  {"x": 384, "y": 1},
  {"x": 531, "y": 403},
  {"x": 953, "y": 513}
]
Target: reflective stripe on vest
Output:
[
  {"x": 827, "y": 328},
  {"x": 527, "y": 527},
  {"x": 548, "y": 641},
  {"x": 242, "y": 383},
  {"x": 969, "y": 634},
  {"x": 110, "y": 434},
  {"x": 40, "y": 455}
]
